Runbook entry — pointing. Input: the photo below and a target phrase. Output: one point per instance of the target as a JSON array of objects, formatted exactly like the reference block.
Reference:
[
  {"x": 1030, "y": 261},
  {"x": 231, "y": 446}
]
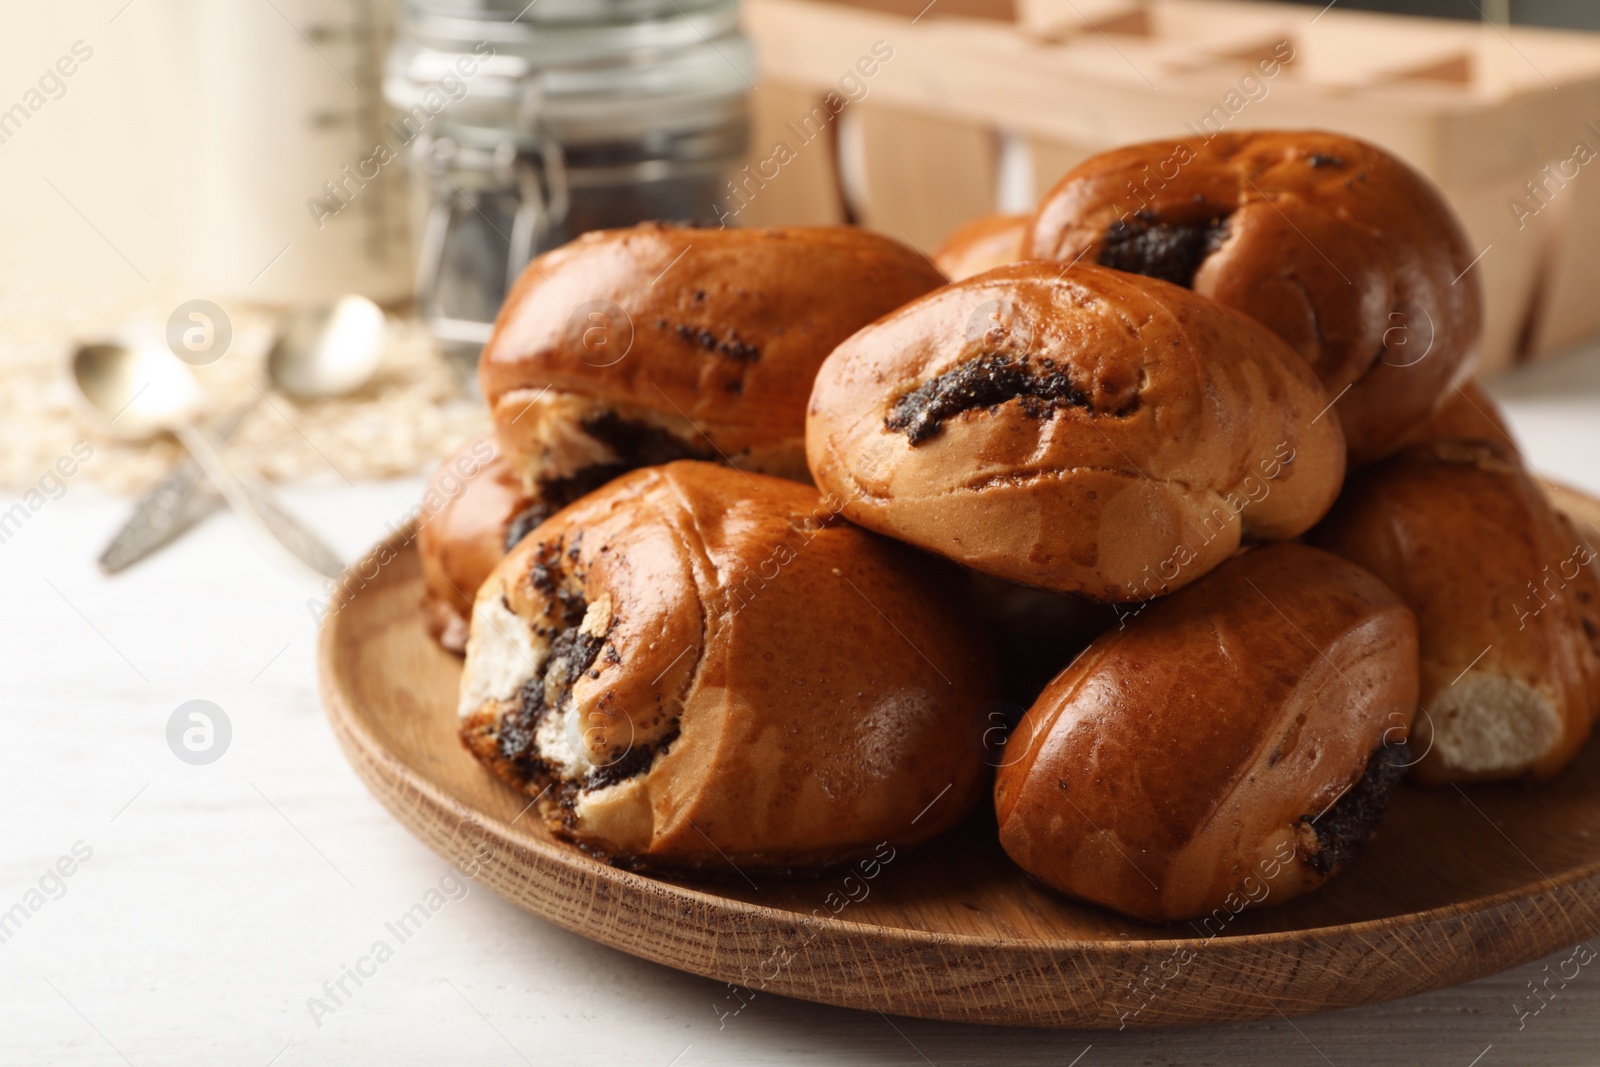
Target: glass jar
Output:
[{"x": 528, "y": 124}]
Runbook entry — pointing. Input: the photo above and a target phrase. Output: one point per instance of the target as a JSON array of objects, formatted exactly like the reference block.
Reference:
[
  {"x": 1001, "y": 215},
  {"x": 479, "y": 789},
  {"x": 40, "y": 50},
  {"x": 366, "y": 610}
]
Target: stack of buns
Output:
[{"x": 1193, "y": 444}]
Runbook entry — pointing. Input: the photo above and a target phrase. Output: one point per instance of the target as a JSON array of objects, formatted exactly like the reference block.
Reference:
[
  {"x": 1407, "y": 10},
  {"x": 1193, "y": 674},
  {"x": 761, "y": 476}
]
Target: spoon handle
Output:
[
  {"x": 255, "y": 504},
  {"x": 172, "y": 506}
]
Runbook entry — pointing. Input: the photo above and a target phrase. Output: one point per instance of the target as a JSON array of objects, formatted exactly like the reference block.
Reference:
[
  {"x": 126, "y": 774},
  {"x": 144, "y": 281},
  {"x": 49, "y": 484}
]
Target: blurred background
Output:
[
  {"x": 267, "y": 158},
  {"x": 271, "y": 157}
]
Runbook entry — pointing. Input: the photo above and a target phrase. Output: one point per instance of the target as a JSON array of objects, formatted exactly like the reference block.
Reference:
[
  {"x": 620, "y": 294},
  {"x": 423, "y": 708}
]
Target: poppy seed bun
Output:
[
  {"x": 1081, "y": 430},
  {"x": 987, "y": 242},
  {"x": 467, "y": 513},
  {"x": 1233, "y": 746},
  {"x": 1467, "y": 414},
  {"x": 695, "y": 667},
  {"x": 1507, "y": 598},
  {"x": 639, "y": 346},
  {"x": 1346, "y": 253}
]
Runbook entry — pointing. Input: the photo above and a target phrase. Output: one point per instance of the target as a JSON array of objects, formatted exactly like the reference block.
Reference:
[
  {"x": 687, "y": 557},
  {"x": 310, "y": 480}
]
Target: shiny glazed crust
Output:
[
  {"x": 734, "y": 676},
  {"x": 711, "y": 337},
  {"x": 1507, "y": 597},
  {"x": 1146, "y": 431},
  {"x": 1342, "y": 250},
  {"x": 1231, "y": 746}
]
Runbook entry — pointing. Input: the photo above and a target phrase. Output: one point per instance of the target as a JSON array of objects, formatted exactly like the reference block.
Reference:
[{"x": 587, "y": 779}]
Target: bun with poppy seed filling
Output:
[
  {"x": 1345, "y": 252},
  {"x": 1082, "y": 430},
  {"x": 694, "y": 667},
  {"x": 1507, "y": 598},
  {"x": 1467, "y": 414},
  {"x": 987, "y": 242},
  {"x": 469, "y": 512},
  {"x": 1233, "y": 746},
  {"x": 640, "y": 346}
]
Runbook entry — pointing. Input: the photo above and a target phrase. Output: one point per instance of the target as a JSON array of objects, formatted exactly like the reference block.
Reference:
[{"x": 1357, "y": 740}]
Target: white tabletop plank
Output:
[{"x": 219, "y": 899}]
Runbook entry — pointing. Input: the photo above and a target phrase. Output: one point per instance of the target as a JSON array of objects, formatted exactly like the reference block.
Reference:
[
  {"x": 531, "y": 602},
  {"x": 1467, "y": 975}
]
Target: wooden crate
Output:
[{"x": 923, "y": 116}]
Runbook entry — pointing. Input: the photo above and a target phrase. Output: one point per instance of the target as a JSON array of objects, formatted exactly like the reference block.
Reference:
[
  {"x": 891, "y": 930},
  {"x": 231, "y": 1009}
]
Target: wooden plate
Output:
[{"x": 1459, "y": 884}]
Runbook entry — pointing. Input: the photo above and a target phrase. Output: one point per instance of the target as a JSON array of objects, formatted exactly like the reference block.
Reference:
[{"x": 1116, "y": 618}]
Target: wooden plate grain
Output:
[{"x": 1459, "y": 884}]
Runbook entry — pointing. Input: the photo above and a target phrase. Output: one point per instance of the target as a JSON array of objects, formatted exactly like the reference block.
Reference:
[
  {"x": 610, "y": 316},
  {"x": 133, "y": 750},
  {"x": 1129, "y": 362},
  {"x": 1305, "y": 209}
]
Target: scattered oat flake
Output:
[{"x": 416, "y": 409}]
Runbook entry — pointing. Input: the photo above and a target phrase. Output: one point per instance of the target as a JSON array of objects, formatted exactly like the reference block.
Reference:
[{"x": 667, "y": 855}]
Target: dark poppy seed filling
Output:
[
  {"x": 636, "y": 443},
  {"x": 1170, "y": 251},
  {"x": 633, "y": 442},
  {"x": 731, "y": 346},
  {"x": 1345, "y": 827},
  {"x": 1040, "y": 384},
  {"x": 548, "y": 577},
  {"x": 573, "y": 652},
  {"x": 636, "y": 760},
  {"x": 523, "y": 522}
]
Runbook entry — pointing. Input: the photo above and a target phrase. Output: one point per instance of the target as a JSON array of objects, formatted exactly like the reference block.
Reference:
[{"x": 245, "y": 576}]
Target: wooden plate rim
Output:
[{"x": 1577, "y": 885}]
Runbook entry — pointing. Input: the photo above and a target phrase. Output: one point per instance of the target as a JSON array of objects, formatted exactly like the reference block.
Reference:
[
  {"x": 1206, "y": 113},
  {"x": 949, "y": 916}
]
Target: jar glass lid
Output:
[
  {"x": 586, "y": 80},
  {"x": 514, "y": 12}
]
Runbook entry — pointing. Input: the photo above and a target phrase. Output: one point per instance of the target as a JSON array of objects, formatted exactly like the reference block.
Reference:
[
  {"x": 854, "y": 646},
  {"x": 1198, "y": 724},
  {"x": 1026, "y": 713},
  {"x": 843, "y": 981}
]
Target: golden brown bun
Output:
[
  {"x": 1345, "y": 252},
  {"x": 757, "y": 681},
  {"x": 1507, "y": 600},
  {"x": 1147, "y": 430},
  {"x": 465, "y": 515},
  {"x": 1466, "y": 414},
  {"x": 640, "y": 346},
  {"x": 1232, "y": 746},
  {"x": 986, "y": 242}
]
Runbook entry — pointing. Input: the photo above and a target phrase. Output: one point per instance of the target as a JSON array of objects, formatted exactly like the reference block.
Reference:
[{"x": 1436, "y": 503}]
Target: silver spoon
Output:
[
  {"x": 143, "y": 389},
  {"x": 327, "y": 351},
  {"x": 321, "y": 352}
]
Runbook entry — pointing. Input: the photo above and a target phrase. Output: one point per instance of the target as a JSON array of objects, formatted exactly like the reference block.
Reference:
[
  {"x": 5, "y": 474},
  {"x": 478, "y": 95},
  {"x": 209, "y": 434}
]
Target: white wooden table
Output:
[{"x": 218, "y": 899}]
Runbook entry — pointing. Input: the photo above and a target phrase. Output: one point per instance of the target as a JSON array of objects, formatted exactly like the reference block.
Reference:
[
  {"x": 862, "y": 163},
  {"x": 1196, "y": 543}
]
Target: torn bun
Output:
[
  {"x": 695, "y": 667},
  {"x": 1507, "y": 597},
  {"x": 632, "y": 347}
]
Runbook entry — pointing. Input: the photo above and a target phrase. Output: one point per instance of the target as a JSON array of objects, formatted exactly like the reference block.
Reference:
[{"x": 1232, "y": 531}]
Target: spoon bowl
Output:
[
  {"x": 321, "y": 352},
  {"x": 327, "y": 351},
  {"x": 135, "y": 391}
]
